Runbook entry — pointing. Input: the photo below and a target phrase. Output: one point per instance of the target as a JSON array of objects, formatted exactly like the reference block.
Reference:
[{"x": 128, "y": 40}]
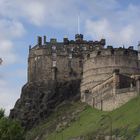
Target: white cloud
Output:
[
  {"x": 54, "y": 13},
  {"x": 105, "y": 29},
  {"x": 10, "y": 86},
  {"x": 8, "y": 96},
  {"x": 119, "y": 27},
  {"x": 97, "y": 29},
  {"x": 11, "y": 29},
  {"x": 127, "y": 34},
  {"x": 35, "y": 12},
  {"x": 7, "y": 52}
]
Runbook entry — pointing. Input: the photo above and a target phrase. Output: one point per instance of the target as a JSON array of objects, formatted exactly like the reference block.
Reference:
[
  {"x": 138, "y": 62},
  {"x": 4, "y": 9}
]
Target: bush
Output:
[
  {"x": 10, "y": 129},
  {"x": 2, "y": 113}
]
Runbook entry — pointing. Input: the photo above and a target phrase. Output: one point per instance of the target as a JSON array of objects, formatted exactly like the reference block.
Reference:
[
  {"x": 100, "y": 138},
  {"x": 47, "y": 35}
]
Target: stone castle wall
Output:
[
  {"x": 106, "y": 76},
  {"x": 117, "y": 100},
  {"x": 108, "y": 95},
  {"x": 100, "y": 65},
  {"x": 42, "y": 66}
]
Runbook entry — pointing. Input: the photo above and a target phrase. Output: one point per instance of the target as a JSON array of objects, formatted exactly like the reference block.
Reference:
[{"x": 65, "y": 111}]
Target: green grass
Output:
[{"x": 125, "y": 122}]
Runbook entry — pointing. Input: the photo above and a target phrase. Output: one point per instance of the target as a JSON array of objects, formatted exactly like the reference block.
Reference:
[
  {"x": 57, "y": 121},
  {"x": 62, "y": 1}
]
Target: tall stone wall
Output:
[
  {"x": 99, "y": 65},
  {"x": 42, "y": 66},
  {"x": 113, "y": 102},
  {"x": 39, "y": 65},
  {"x": 107, "y": 82}
]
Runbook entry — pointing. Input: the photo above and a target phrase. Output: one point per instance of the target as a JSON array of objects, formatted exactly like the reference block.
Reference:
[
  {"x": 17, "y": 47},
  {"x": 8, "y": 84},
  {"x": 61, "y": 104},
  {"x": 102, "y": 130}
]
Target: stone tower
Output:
[{"x": 108, "y": 77}]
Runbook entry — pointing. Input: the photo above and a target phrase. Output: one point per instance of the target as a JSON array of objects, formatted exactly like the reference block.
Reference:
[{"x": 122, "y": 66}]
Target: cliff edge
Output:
[{"x": 38, "y": 100}]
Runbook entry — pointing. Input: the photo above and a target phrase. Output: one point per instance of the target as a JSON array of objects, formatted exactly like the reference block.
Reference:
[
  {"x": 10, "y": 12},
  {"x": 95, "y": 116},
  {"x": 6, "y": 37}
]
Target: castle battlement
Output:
[
  {"x": 71, "y": 44},
  {"x": 113, "y": 52}
]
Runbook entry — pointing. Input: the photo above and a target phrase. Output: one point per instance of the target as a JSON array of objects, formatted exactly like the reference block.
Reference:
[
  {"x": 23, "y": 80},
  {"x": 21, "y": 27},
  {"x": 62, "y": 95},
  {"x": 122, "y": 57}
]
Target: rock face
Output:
[{"x": 38, "y": 100}]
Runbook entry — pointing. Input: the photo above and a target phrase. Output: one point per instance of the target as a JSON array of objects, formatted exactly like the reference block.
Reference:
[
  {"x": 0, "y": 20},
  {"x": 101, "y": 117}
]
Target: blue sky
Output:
[{"x": 21, "y": 21}]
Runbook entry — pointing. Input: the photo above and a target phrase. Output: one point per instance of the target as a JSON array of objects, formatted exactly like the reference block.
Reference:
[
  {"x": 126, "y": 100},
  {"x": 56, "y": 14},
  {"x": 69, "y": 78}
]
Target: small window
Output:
[
  {"x": 86, "y": 91},
  {"x": 80, "y": 63},
  {"x": 71, "y": 72},
  {"x": 99, "y": 53},
  {"x": 88, "y": 56}
]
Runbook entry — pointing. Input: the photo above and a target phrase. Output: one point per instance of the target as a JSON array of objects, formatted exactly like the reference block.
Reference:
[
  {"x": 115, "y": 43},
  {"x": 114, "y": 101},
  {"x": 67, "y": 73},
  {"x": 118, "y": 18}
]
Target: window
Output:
[
  {"x": 88, "y": 56},
  {"x": 80, "y": 63},
  {"x": 99, "y": 53}
]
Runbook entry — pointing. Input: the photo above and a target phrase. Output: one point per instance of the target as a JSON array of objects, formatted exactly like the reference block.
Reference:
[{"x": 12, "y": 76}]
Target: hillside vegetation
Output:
[
  {"x": 71, "y": 120},
  {"x": 10, "y": 129}
]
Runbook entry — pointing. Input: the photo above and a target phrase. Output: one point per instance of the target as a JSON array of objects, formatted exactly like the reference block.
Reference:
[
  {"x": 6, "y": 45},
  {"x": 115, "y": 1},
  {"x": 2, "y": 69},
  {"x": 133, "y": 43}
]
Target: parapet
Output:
[
  {"x": 115, "y": 51},
  {"x": 39, "y": 42}
]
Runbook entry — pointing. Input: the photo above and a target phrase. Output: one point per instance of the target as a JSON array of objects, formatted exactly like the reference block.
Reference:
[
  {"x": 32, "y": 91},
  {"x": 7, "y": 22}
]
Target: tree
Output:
[
  {"x": 10, "y": 129},
  {"x": 2, "y": 113}
]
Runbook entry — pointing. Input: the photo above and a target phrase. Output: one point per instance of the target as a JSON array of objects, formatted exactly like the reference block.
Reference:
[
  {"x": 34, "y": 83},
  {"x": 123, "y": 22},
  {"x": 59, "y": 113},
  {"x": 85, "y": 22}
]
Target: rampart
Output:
[
  {"x": 100, "y": 65},
  {"x": 107, "y": 81}
]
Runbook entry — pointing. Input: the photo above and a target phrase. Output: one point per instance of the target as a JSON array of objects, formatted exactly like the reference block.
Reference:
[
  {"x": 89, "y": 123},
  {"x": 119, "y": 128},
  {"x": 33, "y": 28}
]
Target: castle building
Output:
[
  {"x": 59, "y": 60},
  {"x": 109, "y": 76}
]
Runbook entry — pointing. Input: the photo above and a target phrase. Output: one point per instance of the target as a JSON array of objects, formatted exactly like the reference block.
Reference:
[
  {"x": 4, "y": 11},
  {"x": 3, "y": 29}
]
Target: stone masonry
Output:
[{"x": 110, "y": 78}]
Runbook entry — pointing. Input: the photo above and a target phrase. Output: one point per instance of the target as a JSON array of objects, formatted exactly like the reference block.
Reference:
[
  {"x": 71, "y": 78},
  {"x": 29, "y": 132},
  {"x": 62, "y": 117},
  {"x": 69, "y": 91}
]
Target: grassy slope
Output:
[{"x": 126, "y": 122}]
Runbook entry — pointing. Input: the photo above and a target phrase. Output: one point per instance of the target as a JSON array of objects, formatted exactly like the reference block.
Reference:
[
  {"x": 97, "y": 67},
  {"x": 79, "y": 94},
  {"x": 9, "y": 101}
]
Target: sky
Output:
[{"x": 21, "y": 21}]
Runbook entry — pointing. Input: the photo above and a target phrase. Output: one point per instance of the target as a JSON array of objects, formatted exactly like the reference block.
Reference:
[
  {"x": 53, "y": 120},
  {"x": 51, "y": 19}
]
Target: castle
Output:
[
  {"x": 59, "y": 60},
  {"x": 109, "y": 76},
  {"x": 58, "y": 72}
]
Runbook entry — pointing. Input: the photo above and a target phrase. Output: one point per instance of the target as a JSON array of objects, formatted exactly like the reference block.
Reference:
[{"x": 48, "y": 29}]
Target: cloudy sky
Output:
[{"x": 21, "y": 21}]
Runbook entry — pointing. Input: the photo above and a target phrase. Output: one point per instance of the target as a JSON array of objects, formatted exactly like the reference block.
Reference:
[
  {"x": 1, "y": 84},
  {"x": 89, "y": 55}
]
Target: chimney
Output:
[
  {"x": 39, "y": 40},
  {"x": 44, "y": 39}
]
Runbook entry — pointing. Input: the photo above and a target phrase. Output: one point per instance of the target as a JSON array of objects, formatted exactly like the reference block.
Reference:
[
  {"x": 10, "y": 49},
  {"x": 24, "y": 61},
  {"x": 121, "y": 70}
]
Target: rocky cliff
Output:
[{"x": 38, "y": 100}]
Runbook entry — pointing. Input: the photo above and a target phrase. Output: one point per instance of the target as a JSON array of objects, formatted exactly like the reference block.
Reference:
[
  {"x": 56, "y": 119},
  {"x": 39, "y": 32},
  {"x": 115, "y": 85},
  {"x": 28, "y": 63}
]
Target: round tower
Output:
[{"x": 100, "y": 64}]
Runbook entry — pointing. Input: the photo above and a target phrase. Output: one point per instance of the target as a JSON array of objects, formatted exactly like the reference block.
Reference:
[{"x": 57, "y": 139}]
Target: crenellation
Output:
[
  {"x": 39, "y": 41},
  {"x": 45, "y": 40}
]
